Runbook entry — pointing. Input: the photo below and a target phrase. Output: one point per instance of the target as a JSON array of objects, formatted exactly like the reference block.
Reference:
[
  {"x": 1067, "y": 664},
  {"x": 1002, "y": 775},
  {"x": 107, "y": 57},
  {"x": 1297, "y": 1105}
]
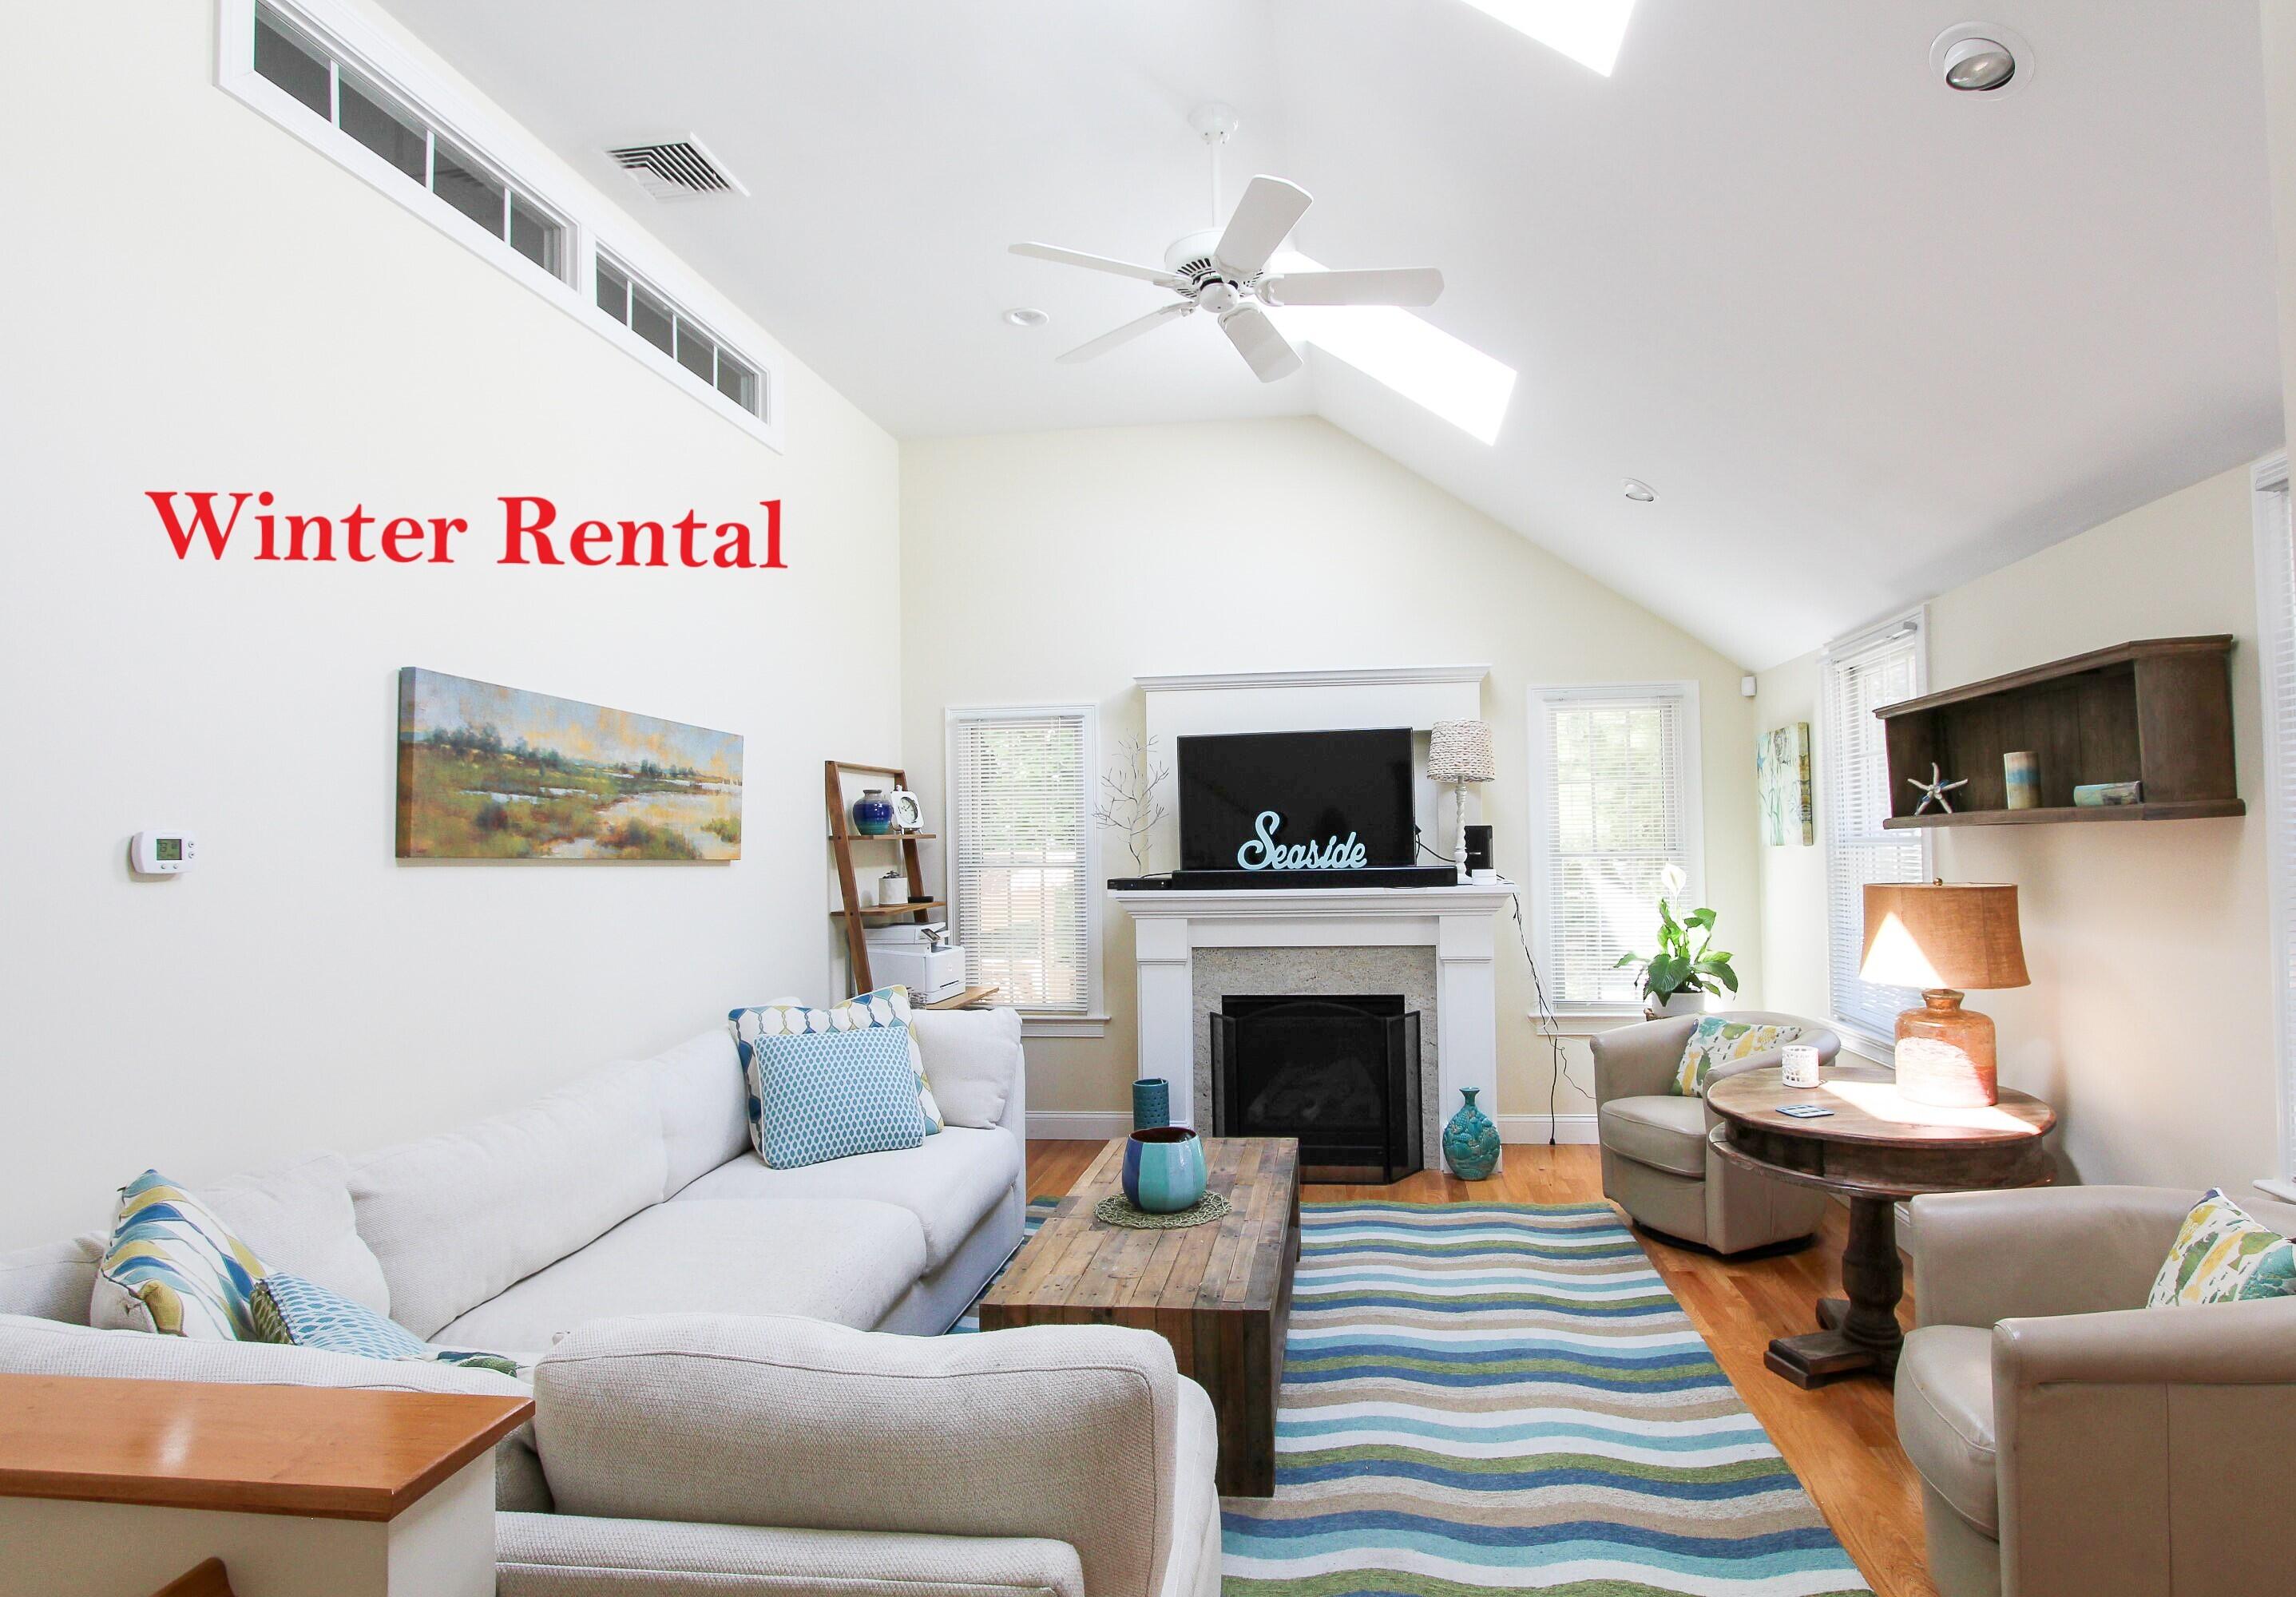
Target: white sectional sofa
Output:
[{"x": 686, "y": 1306}]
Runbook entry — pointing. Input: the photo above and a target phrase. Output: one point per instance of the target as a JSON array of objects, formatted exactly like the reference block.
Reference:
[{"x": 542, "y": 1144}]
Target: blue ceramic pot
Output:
[
  {"x": 872, "y": 814},
  {"x": 1163, "y": 1169},
  {"x": 1471, "y": 1143},
  {"x": 1152, "y": 1104}
]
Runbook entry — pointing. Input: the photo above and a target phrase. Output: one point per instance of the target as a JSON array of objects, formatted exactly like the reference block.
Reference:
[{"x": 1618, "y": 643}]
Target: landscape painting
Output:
[
  {"x": 486, "y": 772},
  {"x": 1782, "y": 783}
]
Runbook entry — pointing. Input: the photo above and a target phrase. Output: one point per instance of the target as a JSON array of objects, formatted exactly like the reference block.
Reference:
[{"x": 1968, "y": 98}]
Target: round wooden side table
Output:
[{"x": 1874, "y": 1149}]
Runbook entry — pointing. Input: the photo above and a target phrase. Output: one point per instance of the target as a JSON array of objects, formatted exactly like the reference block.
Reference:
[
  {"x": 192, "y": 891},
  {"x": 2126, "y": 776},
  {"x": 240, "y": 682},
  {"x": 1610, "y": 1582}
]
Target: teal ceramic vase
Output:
[
  {"x": 1471, "y": 1143},
  {"x": 1152, "y": 1104},
  {"x": 1163, "y": 1169}
]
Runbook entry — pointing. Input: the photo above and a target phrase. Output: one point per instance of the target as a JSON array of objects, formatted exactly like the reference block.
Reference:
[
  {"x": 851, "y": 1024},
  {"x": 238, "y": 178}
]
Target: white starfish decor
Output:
[{"x": 1934, "y": 792}]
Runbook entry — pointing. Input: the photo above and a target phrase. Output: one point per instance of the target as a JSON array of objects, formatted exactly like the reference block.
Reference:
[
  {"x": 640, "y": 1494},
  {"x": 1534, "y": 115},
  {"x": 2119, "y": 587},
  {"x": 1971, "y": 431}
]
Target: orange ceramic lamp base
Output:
[{"x": 1945, "y": 1055}]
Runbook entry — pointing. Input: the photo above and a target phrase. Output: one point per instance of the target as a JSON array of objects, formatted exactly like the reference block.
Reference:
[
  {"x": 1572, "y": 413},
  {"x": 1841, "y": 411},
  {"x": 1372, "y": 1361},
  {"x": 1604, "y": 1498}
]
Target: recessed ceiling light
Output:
[
  {"x": 1639, "y": 491},
  {"x": 1026, "y": 316},
  {"x": 1981, "y": 58}
]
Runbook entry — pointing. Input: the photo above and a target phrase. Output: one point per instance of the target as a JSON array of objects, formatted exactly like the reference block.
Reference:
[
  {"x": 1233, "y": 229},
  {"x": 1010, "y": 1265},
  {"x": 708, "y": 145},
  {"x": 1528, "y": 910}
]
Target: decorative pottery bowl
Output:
[{"x": 1163, "y": 1169}]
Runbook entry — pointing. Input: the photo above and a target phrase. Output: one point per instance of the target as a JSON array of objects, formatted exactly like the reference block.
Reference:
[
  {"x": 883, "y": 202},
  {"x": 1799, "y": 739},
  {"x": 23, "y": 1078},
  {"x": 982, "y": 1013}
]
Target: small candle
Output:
[{"x": 1798, "y": 1064}]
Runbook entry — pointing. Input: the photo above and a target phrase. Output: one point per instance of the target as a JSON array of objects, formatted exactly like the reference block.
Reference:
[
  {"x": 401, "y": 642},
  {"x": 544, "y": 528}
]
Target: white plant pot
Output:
[{"x": 1682, "y": 1003}]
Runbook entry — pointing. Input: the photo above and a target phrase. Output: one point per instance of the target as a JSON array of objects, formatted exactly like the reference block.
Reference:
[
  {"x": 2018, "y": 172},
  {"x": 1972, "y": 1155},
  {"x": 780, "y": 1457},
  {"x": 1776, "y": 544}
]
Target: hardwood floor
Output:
[{"x": 1840, "y": 1439}]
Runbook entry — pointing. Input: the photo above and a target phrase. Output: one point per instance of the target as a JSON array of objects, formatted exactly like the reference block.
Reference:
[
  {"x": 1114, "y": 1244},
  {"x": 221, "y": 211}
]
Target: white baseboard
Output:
[
  {"x": 1077, "y": 1125},
  {"x": 1098, "y": 1124},
  {"x": 1532, "y": 1128}
]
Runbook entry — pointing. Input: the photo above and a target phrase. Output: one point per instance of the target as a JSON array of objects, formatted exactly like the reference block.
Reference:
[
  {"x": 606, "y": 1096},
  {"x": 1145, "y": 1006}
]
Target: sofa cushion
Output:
[
  {"x": 2218, "y": 1254},
  {"x": 171, "y": 1266},
  {"x": 948, "y": 1182},
  {"x": 298, "y": 1217},
  {"x": 826, "y": 1096},
  {"x": 972, "y": 1057},
  {"x": 790, "y": 1016},
  {"x": 32, "y": 1347},
  {"x": 1662, "y": 1131},
  {"x": 705, "y": 1114},
  {"x": 296, "y": 1312},
  {"x": 1944, "y": 1418},
  {"x": 53, "y": 1280},
  {"x": 457, "y": 1217},
  {"x": 848, "y": 1261}
]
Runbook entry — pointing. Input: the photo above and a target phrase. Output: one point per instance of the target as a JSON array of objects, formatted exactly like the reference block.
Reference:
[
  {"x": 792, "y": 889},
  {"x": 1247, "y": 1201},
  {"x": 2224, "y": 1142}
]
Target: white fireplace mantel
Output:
[{"x": 1457, "y": 921}]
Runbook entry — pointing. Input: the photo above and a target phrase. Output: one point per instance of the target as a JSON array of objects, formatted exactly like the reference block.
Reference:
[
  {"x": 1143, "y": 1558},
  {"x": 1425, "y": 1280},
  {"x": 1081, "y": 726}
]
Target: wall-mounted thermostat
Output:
[{"x": 162, "y": 853}]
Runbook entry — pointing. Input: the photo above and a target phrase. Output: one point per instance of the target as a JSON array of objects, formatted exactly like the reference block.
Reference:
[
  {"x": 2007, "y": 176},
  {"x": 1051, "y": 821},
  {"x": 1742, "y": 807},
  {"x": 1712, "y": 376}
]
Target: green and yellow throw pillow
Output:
[
  {"x": 2221, "y": 1255},
  {"x": 171, "y": 1266},
  {"x": 1715, "y": 1041}
]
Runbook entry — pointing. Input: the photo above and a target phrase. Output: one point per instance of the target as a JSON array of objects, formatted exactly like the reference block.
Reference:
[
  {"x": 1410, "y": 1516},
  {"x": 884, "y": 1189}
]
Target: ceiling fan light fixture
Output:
[{"x": 1025, "y": 315}]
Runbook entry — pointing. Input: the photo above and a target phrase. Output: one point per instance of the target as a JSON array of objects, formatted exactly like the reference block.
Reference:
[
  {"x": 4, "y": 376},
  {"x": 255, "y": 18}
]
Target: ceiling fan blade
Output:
[
  {"x": 1263, "y": 218},
  {"x": 1098, "y": 262},
  {"x": 1124, "y": 334},
  {"x": 1255, "y": 338},
  {"x": 1398, "y": 285}
]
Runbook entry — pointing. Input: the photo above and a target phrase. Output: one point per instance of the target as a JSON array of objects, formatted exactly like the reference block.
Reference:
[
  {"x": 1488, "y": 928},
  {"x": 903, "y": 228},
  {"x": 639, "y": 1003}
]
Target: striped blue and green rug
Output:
[{"x": 1492, "y": 1396}]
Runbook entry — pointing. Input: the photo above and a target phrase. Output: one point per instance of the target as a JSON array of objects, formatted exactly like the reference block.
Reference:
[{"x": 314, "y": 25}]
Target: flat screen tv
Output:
[{"x": 1296, "y": 801}]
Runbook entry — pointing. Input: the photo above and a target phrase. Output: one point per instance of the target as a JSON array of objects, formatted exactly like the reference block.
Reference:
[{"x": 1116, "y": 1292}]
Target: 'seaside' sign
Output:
[{"x": 1264, "y": 853}]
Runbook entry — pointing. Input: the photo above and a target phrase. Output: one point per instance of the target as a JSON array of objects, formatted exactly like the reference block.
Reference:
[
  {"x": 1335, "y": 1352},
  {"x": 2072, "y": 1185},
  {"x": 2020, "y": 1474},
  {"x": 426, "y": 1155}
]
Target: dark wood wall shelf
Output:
[{"x": 2157, "y": 711}]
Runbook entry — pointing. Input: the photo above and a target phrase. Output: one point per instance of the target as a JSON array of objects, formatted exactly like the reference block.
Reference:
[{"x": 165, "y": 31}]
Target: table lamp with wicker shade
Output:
[
  {"x": 1460, "y": 752},
  {"x": 1941, "y": 939}
]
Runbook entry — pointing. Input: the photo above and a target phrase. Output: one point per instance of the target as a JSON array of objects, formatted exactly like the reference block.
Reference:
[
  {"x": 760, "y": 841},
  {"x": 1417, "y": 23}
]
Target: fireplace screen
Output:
[{"x": 1340, "y": 1074}]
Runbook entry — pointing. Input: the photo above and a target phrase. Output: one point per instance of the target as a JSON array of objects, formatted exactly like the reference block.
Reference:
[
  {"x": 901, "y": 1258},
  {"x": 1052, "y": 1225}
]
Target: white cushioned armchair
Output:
[
  {"x": 706, "y": 1452},
  {"x": 1656, "y": 1164}
]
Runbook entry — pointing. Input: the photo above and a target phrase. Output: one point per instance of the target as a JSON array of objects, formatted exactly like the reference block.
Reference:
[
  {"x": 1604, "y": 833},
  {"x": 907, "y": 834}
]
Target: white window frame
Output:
[
  {"x": 1690, "y": 802},
  {"x": 1092, "y": 1021},
  {"x": 1857, "y": 1033},
  {"x": 510, "y": 152},
  {"x": 2275, "y": 630}
]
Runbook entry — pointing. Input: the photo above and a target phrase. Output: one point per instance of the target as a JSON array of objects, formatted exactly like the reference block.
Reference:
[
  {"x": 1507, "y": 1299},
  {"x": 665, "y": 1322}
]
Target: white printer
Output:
[{"x": 920, "y": 958}]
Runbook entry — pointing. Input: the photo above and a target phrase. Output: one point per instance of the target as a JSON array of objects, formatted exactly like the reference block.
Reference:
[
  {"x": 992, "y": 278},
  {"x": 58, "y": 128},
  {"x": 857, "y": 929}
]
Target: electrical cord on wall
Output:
[{"x": 1559, "y": 1069}]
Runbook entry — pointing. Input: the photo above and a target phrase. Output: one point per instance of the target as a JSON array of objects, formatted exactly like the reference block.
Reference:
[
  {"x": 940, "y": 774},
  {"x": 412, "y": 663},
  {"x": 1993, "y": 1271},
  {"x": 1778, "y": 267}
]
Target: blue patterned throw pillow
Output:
[
  {"x": 829, "y": 1094},
  {"x": 880, "y": 1006},
  {"x": 303, "y": 1314},
  {"x": 171, "y": 1266}
]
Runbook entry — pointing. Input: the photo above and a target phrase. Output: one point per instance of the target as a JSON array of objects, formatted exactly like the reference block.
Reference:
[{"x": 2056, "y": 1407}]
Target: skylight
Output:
[
  {"x": 1587, "y": 31},
  {"x": 1414, "y": 357}
]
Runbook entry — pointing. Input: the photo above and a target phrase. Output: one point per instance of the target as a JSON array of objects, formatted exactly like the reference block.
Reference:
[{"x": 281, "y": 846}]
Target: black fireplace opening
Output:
[{"x": 1341, "y": 1074}]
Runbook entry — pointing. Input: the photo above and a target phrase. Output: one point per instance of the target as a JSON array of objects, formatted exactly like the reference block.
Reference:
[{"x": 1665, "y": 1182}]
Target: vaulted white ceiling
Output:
[{"x": 1867, "y": 338}]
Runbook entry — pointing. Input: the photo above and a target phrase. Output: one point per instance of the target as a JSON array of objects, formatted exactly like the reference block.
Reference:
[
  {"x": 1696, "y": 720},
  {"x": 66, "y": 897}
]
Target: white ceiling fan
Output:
[{"x": 1224, "y": 270}]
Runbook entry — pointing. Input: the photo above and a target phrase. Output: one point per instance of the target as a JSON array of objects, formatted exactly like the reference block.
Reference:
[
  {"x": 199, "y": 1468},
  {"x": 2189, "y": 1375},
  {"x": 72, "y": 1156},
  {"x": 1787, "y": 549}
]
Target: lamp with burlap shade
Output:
[{"x": 1941, "y": 939}]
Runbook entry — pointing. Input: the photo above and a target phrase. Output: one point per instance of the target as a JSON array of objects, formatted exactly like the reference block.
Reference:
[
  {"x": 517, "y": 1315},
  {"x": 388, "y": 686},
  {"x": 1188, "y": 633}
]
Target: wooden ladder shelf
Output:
[{"x": 854, "y": 915}]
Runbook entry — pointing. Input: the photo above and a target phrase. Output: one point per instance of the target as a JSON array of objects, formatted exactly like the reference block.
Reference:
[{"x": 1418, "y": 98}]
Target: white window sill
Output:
[
  {"x": 2283, "y": 1189},
  {"x": 1585, "y": 1022},
  {"x": 1063, "y": 1026}
]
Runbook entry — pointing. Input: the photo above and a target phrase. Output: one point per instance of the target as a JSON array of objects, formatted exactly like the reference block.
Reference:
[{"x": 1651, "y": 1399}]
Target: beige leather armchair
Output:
[
  {"x": 2072, "y": 1442},
  {"x": 1656, "y": 1165}
]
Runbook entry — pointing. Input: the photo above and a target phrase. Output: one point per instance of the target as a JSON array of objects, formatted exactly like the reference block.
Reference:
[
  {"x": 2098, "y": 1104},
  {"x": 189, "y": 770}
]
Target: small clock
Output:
[{"x": 908, "y": 814}]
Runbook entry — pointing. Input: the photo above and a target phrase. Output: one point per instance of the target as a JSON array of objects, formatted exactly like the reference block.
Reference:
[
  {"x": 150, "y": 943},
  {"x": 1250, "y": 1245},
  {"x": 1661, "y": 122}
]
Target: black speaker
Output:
[{"x": 1479, "y": 849}]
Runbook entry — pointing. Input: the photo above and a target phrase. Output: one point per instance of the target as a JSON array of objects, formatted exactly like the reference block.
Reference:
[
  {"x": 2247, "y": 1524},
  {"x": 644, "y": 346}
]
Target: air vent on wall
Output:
[{"x": 677, "y": 170}]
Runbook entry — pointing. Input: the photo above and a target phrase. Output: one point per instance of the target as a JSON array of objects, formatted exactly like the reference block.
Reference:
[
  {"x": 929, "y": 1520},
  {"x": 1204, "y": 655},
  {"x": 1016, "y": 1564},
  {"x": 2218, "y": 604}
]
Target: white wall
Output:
[
  {"x": 200, "y": 300},
  {"x": 1059, "y": 566},
  {"x": 2149, "y": 1020}
]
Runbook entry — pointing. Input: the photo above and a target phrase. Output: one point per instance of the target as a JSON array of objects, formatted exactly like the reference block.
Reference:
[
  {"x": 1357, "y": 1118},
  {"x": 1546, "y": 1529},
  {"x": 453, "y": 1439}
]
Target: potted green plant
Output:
[{"x": 1677, "y": 978}]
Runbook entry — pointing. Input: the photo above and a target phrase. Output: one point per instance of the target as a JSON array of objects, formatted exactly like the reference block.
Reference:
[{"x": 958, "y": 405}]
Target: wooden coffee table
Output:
[
  {"x": 1220, "y": 1293},
  {"x": 1874, "y": 1149}
]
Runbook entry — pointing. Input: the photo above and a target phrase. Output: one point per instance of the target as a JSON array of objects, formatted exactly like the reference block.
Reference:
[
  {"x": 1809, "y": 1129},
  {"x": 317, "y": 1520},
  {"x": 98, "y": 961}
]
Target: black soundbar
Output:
[{"x": 1369, "y": 876}]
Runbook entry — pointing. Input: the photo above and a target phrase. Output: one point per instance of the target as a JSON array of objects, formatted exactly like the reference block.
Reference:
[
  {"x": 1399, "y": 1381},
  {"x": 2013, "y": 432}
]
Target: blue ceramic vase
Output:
[
  {"x": 1152, "y": 1104},
  {"x": 1471, "y": 1143},
  {"x": 873, "y": 814},
  {"x": 1163, "y": 1169}
]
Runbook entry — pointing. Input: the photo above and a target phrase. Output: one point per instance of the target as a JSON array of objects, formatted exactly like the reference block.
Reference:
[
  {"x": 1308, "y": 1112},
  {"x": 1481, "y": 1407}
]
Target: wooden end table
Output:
[
  {"x": 1874, "y": 1149},
  {"x": 112, "y": 1487},
  {"x": 1220, "y": 1293}
]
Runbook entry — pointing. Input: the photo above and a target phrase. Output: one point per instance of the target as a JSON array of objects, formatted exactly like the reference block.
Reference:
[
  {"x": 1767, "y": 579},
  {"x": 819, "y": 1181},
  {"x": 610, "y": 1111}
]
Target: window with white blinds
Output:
[
  {"x": 1858, "y": 675},
  {"x": 2275, "y": 618},
  {"x": 1022, "y": 858},
  {"x": 1614, "y": 798}
]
